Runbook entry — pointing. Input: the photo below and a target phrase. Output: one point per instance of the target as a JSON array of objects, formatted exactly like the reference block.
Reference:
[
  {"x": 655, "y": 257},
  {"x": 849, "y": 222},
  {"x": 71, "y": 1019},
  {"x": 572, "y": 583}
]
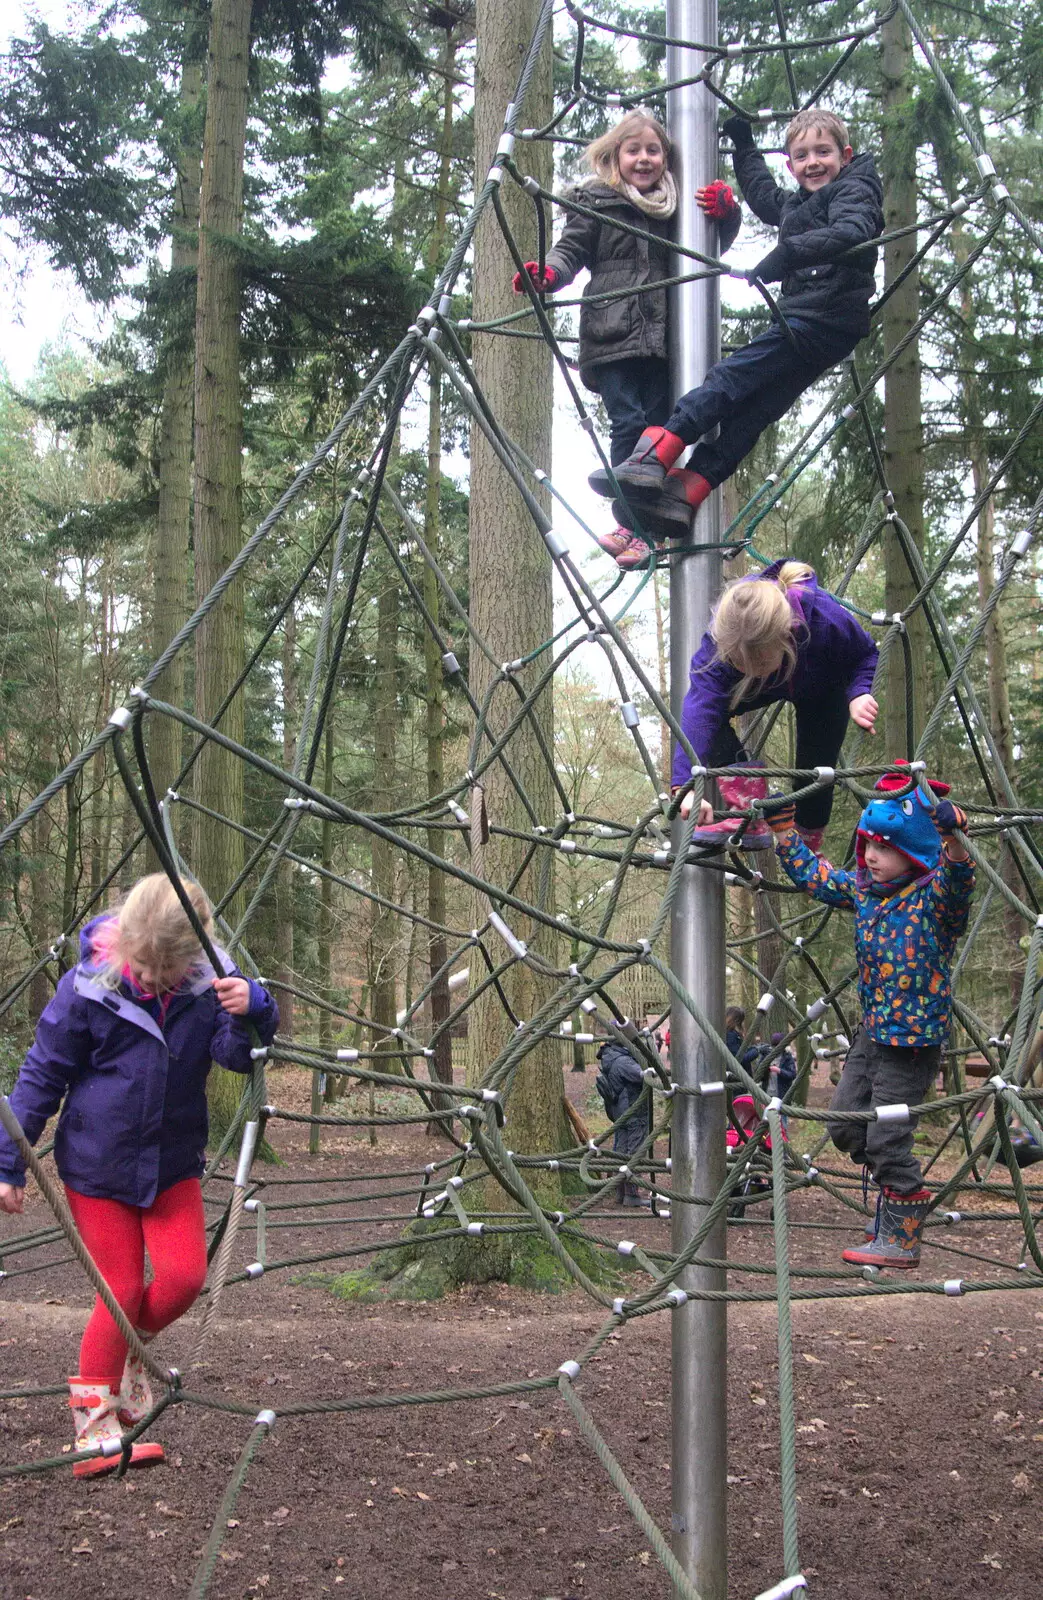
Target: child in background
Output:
[
  {"x": 824, "y": 304},
  {"x": 910, "y": 895},
  {"x": 776, "y": 636},
  {"x": 623, "y": 341},
  {"x": 734, "y": 1028},
  {"x": 127, "y": 1043},
  {"x": 619, "y": 1083}
]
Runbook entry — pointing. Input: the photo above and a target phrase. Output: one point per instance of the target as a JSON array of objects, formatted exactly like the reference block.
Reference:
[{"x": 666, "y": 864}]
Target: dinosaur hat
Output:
[{"x": 902, "y": 821}]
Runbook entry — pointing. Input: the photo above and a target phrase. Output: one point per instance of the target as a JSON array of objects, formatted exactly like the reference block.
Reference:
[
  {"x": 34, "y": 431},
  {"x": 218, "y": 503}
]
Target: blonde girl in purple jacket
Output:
[{"x": 124, "y": 1048}]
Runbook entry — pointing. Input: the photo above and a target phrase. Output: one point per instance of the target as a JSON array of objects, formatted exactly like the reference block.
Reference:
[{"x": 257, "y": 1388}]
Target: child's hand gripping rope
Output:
[
  {"x": 780, "y": 813},
  {"x": 544, "y": 282}
]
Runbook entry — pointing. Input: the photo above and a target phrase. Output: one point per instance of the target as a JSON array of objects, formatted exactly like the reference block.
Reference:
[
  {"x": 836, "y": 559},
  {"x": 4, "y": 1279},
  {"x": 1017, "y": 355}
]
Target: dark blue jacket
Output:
[
  {"x": 619, "y": 1083},
  {"x": 816, "y": 227},
  {"x": 134, "y": 1118}
]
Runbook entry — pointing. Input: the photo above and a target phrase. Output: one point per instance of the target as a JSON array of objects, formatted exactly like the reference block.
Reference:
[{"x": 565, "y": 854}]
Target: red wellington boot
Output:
[{"x": 737, "y": 794}]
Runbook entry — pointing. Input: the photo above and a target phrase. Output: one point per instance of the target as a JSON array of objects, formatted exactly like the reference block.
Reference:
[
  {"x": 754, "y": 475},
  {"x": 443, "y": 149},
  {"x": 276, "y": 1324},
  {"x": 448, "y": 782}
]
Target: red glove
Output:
[
  {"x": 717, "y": 200},
  {"x": 542, "y": 283}
]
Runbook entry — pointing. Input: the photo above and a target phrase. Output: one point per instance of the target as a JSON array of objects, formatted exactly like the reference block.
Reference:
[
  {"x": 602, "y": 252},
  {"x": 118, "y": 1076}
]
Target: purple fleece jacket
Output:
[
  {"x": 132, "y": 1092},
  {"x": 831, "y": 648}
]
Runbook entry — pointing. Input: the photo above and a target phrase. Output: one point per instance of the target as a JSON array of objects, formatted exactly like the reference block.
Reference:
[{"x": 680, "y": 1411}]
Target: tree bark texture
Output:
[
  {"x": 220, "y": 648},
  {"x": 220, "y": 644},
  {"x": 510, "y": 575},
  {"x": 170, "y": 551},
  {"x": 434, "y": 688},
  {"x": 903, "y": 425}
]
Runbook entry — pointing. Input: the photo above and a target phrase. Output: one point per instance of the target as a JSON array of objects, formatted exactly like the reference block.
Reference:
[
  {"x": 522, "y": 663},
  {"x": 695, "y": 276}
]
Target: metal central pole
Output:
[{"x": 700, "y": 1328}]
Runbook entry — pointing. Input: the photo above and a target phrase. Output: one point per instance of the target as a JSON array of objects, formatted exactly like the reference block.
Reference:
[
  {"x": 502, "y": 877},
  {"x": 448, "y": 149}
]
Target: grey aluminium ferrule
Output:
[{"x": 246, "y": 1154}]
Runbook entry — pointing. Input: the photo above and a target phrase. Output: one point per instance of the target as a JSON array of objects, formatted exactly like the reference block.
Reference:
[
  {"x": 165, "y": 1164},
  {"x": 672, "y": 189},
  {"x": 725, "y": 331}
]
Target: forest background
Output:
[{"x": 250, "y": 275}]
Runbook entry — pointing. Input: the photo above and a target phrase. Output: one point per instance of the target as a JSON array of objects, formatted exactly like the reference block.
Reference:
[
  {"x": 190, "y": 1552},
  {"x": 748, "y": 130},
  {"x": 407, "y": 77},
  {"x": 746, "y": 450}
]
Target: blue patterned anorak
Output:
[{"x": 904, "y": 941}]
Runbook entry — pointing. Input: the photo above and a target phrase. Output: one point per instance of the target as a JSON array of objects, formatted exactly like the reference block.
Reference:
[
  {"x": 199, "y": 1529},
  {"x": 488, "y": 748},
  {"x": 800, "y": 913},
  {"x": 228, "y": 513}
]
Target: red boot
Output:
[
  {"x": 737, "y": 794},
  {"x": 645, "y": 468}
]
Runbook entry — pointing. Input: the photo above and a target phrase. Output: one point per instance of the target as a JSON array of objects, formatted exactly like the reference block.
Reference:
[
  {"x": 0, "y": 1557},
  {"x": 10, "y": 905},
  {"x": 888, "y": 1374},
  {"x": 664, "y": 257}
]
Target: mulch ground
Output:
[{"x": 920, "y": 1458}]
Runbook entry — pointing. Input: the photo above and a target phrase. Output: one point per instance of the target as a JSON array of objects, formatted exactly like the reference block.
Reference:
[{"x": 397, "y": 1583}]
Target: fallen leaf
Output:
[
  {"x": 527, "y": 1459},
  {"x": 84, "y": 1548},
  {"x": 815, "y": 1360},
  {"x": 421, "y": 1495}
]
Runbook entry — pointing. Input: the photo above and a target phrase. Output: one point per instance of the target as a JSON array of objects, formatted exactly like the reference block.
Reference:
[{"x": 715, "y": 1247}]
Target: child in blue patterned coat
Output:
[{"x": 910, "y": 895}]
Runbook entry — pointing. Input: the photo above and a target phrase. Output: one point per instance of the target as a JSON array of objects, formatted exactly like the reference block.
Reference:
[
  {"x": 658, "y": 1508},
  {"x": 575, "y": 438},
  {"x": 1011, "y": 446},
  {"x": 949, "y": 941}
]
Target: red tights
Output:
[{"x": 173, "y": 1231}]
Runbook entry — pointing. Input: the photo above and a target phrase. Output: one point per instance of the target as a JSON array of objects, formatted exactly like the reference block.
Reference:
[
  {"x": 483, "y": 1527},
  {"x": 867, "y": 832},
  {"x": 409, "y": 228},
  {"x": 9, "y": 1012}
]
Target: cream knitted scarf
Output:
[{"x": 660, "y": 202}]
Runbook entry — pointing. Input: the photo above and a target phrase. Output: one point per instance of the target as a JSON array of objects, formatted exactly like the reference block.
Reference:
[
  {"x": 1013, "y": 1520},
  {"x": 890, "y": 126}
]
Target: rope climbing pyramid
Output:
[{"x": 545, "y": 974}]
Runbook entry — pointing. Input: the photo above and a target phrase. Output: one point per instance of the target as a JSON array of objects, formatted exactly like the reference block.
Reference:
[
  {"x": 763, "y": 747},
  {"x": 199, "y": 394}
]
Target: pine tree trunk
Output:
[
  {"x": 510, "y": 579},
  {"x": 903, "y": 425},
  {"x": 284, "y": 876},
  {"x": 170, "y": 552},
  {"x": 385, "y": 723},
  {"x": 220, "y": 647},
  {"x": 434, "y": 694}
]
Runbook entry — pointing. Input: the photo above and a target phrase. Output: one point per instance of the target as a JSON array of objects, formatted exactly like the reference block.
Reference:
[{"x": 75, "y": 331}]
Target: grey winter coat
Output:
[
  {"x": 632, "y": 325},
  {"x": 815, "y": 227}
]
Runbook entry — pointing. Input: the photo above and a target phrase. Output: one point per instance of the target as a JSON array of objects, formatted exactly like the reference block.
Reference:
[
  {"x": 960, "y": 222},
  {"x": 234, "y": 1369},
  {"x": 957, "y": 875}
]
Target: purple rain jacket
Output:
[
  {"x": 831, "y": 648},
  {"x": 134, "y": 1118}
]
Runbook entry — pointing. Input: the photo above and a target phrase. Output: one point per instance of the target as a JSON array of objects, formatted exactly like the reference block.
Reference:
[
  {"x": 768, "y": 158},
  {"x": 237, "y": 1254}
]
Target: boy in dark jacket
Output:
[
  {"x": 824, "y": 304},
  {"x": 619, "y": 1083},
  {"x": 910, "y": 895}
]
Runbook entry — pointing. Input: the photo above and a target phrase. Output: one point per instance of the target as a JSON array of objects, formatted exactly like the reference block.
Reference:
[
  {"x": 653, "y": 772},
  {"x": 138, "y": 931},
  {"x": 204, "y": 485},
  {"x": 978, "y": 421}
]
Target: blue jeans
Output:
[
  {"x": 752, "y": 388},
  {"x": 636, "y": 393}
]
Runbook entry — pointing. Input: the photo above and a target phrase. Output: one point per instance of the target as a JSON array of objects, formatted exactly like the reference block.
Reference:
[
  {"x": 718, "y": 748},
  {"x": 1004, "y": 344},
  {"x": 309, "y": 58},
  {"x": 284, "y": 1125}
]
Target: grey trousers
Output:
[{"x": 883, "y": 1075}]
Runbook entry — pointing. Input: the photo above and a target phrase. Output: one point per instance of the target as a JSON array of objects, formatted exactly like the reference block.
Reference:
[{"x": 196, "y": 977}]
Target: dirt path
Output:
[{"x": 920, "y": 1457}]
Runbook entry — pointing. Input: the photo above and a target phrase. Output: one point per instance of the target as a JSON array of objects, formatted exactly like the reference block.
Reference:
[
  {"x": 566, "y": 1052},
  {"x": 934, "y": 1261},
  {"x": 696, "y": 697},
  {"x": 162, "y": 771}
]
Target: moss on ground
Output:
[{"x": 416, "y": 1270}]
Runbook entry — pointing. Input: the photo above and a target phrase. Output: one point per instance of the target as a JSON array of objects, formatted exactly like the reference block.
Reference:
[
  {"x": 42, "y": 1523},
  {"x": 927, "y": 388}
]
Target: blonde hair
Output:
[
  {"x": 152, "y": 931},
  {"x": 825, "y": 121},
  {"x": 754, "y": 618},
  {"x": 602, "y": 157}
]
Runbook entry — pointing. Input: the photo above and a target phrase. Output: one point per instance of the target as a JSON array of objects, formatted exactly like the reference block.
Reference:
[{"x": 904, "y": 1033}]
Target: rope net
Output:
[{"x": 602, "y": 963}]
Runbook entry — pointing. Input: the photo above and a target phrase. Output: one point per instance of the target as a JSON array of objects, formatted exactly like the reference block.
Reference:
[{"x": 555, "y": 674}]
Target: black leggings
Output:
[{"x": 821, "y": 726}]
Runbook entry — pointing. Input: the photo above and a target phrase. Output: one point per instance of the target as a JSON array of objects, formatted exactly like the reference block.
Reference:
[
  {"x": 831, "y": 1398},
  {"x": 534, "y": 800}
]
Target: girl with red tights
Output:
[{"x": 125, "y": 1047}]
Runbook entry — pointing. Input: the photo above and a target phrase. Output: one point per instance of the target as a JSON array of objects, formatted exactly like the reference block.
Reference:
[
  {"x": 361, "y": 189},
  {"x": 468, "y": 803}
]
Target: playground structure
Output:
[{"x": 692, "y": 1284}]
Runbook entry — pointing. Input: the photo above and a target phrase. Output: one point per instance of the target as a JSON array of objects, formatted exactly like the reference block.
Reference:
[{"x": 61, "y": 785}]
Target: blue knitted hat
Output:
[{"x": 905, "y": 824}]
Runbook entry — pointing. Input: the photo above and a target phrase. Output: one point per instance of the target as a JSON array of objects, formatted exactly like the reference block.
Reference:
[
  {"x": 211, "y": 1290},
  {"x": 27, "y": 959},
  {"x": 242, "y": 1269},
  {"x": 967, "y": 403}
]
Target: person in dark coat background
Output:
[
  {"x": 619, "y": 1083},
  {"x": 734, "y": 1027}
]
